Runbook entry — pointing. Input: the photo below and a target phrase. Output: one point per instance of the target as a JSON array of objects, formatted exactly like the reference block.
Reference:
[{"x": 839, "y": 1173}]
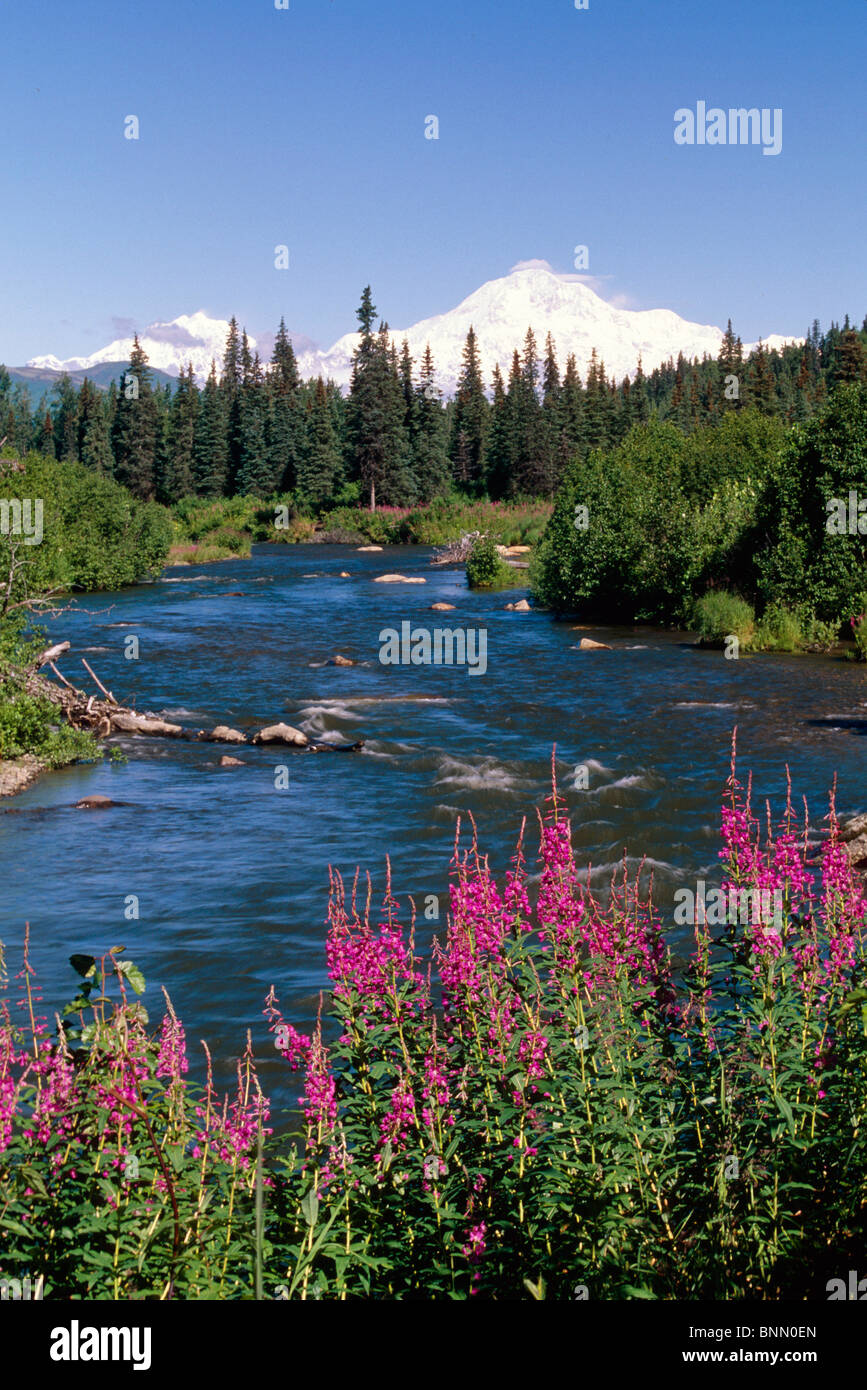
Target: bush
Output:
[
  {"x": 718, "y": 615},
  {"x": 778, "y": 630},
  {"x": 801, "y": 561},
  {"x": 485, "y": 569},
  {"x": 95, "y": 534},
  {"x": 31, "y": 723}
]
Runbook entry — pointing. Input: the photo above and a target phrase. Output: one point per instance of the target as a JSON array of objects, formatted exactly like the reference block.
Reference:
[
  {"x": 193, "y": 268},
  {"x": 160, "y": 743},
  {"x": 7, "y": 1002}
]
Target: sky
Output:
[{"x": 305, "y": 127}]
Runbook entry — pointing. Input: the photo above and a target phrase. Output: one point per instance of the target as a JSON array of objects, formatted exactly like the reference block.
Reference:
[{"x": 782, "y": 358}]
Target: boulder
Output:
[
  {"x": 588, "y": 645},
  {"x": 344, "y": 574},
  {"x": 339, "y": 660},
  {"x": 398, "y": 579},
  {"x": 223, "y": 734},
  {"x": 281, "y": 733},
  {"x": 853, "y": 828},
  {"x": 442, "y": 607},
  {"x": 363, "y": 548},
  {"x": 522, "y": 606},
  {"x": 94, "y": 803},
  {"x": 226, "y": 761}
]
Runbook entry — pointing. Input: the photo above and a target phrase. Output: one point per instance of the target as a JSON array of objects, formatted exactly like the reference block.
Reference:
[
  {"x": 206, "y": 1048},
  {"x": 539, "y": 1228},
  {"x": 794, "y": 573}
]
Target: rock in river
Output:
[
  {"x": 398, "y": 579},
  {"x": 223, "y": 734},
  {"x": 281, "y": 733}
]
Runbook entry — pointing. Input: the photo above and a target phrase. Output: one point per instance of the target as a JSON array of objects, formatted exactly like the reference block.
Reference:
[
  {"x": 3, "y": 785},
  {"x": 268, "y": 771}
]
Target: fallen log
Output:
[
  {"x": 131, "y": 723},
  {"x": 49, "y": 657}
]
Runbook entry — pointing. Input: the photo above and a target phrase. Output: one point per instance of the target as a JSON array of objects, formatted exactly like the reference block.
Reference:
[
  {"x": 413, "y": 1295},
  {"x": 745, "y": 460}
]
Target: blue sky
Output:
[{"x": 305, "y": 126}]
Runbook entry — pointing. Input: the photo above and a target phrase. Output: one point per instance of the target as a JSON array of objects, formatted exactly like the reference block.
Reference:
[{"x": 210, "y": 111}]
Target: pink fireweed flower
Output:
[
  {"x": 172, "y": 1059},
  {"x": 531, "y": 1054},
  {"x": 476, "y": 1242},
  {"x": 400, "y": 1117},
  {"x": 319, "y": 1100},
  {"x": 291, "y": 1044}
]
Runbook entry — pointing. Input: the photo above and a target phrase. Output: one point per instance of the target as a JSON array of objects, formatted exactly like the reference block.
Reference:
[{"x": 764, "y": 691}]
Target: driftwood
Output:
[{"x": 102, "y": 717}]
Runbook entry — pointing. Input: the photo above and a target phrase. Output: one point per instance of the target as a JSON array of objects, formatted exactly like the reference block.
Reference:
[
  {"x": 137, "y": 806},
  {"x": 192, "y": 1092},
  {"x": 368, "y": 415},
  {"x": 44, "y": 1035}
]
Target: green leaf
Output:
[
  {"x": 310, "y": 1208},
  {"x": 84, "y": 965},
  {"x": 133, "y": 975}
]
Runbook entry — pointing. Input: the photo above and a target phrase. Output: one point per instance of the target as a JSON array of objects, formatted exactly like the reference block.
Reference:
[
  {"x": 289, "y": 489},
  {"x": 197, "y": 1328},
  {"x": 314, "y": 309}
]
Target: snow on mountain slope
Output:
[
  {"x": 534, "y": 296},
  {"x": 192, "y": 338},
  {"x": 501, "y": 311}
]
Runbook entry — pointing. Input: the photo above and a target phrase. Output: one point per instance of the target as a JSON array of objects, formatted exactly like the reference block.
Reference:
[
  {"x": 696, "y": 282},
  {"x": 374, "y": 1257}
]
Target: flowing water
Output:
[{"x": 231, "y": 870}]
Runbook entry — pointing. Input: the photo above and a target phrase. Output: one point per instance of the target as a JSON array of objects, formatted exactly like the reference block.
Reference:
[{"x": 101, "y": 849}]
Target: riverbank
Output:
[
  {"x": 18, "y": 773},
  {"x": 227, "y": 528}
]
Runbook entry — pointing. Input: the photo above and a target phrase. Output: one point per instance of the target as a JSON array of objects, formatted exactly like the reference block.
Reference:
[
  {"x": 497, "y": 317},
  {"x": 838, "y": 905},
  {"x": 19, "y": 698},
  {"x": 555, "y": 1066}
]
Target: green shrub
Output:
[
  {"x": 778, "y": 630},
  {"x": 31, "y": 723},
  {"x": 718, "y": 615},
  {"x": 485, "y": 569}
]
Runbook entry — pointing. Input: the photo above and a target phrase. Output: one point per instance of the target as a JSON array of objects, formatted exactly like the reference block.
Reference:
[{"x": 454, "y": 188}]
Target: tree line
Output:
[{"x": 257, "y": 429}]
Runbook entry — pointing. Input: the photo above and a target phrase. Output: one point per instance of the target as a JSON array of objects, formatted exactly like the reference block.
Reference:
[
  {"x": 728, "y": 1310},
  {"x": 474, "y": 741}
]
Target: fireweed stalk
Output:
[
  {"x": 546, "y": 1100},
  {"x": 115, "y": 1181},
  {"x": 610, "y": 1121}
]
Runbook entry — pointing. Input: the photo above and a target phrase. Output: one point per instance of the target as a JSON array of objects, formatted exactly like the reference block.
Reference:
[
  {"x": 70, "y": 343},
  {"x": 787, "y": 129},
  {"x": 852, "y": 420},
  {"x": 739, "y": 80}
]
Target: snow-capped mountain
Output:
[
  {"x": 532, "y": 295},
  {"x": 192, "y": 338}
]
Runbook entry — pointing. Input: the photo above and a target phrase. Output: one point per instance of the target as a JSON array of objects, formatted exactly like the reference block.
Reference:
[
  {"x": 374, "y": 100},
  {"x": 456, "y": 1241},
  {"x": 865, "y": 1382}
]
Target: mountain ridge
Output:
[{"x": 531, "y": 295}]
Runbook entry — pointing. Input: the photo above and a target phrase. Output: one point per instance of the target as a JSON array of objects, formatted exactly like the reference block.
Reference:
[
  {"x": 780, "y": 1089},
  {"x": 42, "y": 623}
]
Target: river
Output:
[{"x": 230, "y": 871}]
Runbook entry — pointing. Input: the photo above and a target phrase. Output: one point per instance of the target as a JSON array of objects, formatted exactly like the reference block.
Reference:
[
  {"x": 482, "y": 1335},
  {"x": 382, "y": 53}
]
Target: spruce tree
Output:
[
  {"x": 760, "y": 382},
  {"x": 231, "y": 382},
  {"x": 470, "y": 419},
  {"x": 210, "y": 451},
  {"x": 44, "y": 434},
  {"x": 850, "y": 359},
  {"x": 135, "y": 427},
  {"x": 178, "y": 474},
  {"x": 253, "y": 477},
  {"x": 94, "y": 444},
  {"x": 430, "y": 459},
  {"x": 319, "y": 468},
  {"x": 65, "y": 418},
  {"x": 498, "y": 446},
  {"x": 285, "y": 425},
  {"x": 377, "y": 443},
  {"x": 572, "y": 408}
]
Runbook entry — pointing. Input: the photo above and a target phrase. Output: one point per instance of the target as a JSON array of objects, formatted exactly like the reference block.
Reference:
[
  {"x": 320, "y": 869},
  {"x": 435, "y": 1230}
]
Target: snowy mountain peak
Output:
[
  {"x": 532, "y": 295},
  {"x": 169, "y": 346}
]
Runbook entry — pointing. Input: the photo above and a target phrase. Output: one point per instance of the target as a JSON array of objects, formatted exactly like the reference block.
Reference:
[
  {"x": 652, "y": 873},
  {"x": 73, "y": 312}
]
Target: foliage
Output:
[
  {"x": 485, "y": 569},
  {"x": 94, "y": 534},
  {"x": 718, "y": 615},
  {"x": 740, "y": 505},
  {"x": 811, "y": 550},
  {"x": 29, "y": 723},
  {"x": 549, "y": 1108},
  {"x": 118, "y": 1178}
]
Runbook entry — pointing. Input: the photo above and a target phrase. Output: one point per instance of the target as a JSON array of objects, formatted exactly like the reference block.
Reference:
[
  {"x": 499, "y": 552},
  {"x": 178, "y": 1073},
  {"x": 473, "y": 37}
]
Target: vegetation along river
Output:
[{"x": 231, "y": 871}]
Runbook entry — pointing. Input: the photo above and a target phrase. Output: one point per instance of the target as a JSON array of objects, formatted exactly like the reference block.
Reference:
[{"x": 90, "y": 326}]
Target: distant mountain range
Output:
[
  {"x": 501, "y": 311},
  {"x": 39, "y": 380}
]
